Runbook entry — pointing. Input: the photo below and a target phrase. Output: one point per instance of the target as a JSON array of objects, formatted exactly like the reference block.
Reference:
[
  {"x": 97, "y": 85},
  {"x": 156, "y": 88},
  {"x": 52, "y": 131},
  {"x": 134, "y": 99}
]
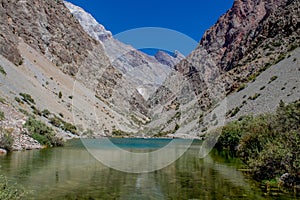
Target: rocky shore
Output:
[{"x": 13, "y": 123}]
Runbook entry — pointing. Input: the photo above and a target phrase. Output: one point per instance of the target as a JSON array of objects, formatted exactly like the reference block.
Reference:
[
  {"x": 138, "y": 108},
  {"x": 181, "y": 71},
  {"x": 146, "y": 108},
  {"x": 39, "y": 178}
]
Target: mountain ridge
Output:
[{"x": 69, "y": 72}]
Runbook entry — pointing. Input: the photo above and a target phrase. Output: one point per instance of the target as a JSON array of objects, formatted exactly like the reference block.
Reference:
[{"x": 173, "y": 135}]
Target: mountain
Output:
[
  {"x": 250, "y": 38},
  {"x": 67, "y": 71},
  {"x": 145, "y": 72},
  {"x": 49, "y": 64}
]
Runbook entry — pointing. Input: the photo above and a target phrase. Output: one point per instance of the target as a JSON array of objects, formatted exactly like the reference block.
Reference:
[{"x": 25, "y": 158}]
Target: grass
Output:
[{"x": 268, "y": 144}]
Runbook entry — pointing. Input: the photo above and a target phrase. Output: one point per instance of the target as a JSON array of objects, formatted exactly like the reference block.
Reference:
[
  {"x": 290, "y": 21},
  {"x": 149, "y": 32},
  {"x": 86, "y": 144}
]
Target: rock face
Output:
[
  {"x": 245, "y": 27},
  {"x": 89, "y": 24},
  {"x": 115, "y": 80},
  {"x": 169, "y": 60},
  {"x": 49, "y": 28},
  {"x": 250, "y": 37},
  {"x": 45, "y": 39},
  {"x": 144, "y": 72}
]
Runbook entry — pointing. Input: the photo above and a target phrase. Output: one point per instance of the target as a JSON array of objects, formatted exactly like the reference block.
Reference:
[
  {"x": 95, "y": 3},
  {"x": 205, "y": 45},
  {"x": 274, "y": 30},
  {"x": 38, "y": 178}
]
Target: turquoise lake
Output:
[{"x": 73, "y": 172}]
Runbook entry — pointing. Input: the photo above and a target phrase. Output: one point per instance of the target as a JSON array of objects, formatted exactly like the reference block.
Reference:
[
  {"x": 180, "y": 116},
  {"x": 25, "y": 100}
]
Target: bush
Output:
[
  {"x": 2, "y": 116},
  {"x": 2, "y": 71},
  {"x": 60, "y": 95},
  {"x": 292, "y": 47},
  {"x": 230, "y": 137},
  {"x": 273, "y": 78},
  {"x": 10, "y": 192},
  {"x": 17, "y": 99},
  {"x": 241, "y": 87},
  {"x": 269, "y": 143},
  {"x": 280, "y": 58},
  {"x": 59, "y": 123},
  {"x": 27, "y": 98},
  {"x": 42, "y": 133},
  {"x": 46, "y": 113},
  {"x": 117, "y": 132},
  {"x": 6, "y": 140},
  {"x": 258, "y": 134},
  {"x": 254, "y": 96}
]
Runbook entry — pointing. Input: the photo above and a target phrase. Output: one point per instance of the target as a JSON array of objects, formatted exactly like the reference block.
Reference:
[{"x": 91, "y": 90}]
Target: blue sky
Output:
[{"x": 190, "y": 17}]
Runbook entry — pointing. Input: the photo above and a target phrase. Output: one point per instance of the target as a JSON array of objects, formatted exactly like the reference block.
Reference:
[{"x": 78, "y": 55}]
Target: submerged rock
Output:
[{"x": 3, "y": 152}]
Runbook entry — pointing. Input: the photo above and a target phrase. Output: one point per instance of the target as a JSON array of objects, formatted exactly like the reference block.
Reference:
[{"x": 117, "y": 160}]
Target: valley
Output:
[{"x": 64, "y": 77}]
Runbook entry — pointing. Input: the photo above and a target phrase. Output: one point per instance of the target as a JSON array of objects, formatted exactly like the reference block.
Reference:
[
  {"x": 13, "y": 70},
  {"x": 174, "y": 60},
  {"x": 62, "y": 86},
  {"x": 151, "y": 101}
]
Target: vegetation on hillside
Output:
[
  {"x": 269, "y": 144},
  {"x": 42, "y": 133},
  {"x": 6, "y": 140}
]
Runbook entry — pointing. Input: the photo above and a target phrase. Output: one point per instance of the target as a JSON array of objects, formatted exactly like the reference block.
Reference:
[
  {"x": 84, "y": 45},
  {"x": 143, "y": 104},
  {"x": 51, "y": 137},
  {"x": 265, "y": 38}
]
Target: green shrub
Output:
[
  {"x": 70, "y": 127},
  {"x": 258, "y": 134},
  {"x": 55, "y": 121},
  {"x": 2, "y": 71},
  {"x": 273, "y": 78},
  {"x": 46, "y": 113},
  {"x": 60, "y": 94},
  {"x": 230, "y": 137},
  {"x": 9, "y": 191},
  {"x": 255, "y": 96},
  {"x": 17, "y": 99},
  {"x": 59, "y": 123},
  {"x": 293, "y": 47},
  {"x": 2, "y": 100},
  {"x": 280, "y": 58},
  {"x": 117, "y": 132},
  {"x": 279, "y": 157},
  {"x": 2, "y": 116},
  {"x": 36, "y": 111},
  {"x": 176, "y": 128},
  {"x": 6, "y": 140},
  {"x": 262, "y": 88},
  {"x": 241, "y": 87},
  {"x": 276, "y": 44},
  {"x": 269, "y": 144},
  {"x": 27, "y": 98},
  {"x": 234, "y": 111},
  {"x": 42, "y": 133}
]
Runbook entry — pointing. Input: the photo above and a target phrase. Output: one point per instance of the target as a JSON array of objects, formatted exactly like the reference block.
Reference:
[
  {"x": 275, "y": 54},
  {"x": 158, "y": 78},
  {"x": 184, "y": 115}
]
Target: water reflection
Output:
[{"x": 72, "y": 173}]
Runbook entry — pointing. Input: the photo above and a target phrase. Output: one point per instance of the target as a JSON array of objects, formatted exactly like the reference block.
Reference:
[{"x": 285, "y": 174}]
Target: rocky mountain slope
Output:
[
  {"x": 145, "y": 72},
  {"x": 48, "y": 57},
  {"x": 74, "y": 69},
  {"x": 250, "y": 38}
]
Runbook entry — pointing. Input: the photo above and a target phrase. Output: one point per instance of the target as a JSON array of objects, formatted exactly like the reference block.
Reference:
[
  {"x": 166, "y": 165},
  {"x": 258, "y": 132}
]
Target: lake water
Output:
[{"x": 72, "y": 172}]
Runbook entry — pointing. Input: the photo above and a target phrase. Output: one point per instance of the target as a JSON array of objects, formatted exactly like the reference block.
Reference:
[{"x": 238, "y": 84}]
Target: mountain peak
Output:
[
  {"x": 92, "y": 27},
  {"x": 167, "y": 59}
]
